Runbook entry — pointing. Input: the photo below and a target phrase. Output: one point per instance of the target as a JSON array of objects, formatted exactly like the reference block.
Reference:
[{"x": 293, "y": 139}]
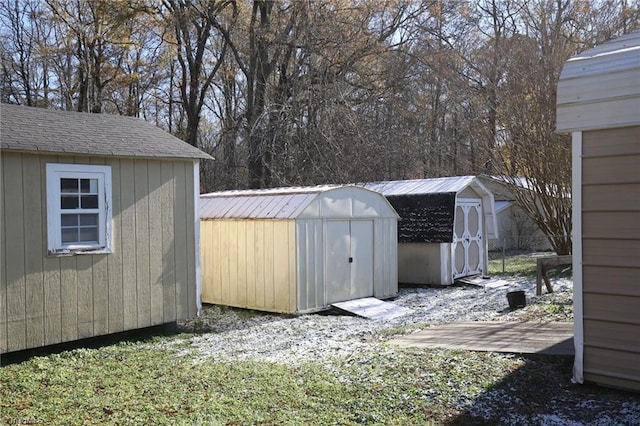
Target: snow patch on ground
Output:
[
  {"x": 318, "y": 337},
  {"x": 234, "y": 335}
]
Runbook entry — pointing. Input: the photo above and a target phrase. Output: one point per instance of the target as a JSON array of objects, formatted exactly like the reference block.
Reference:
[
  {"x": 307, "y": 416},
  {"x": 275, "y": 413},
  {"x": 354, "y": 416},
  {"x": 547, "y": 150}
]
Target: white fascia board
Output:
[
  {"x": 576, "y": 226},
  {"x": 196, "y": 228}
]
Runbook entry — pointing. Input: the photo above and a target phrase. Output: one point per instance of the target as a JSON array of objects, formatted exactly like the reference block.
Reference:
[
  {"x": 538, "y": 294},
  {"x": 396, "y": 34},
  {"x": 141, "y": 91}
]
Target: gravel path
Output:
[{"x": 241, "y": 335}]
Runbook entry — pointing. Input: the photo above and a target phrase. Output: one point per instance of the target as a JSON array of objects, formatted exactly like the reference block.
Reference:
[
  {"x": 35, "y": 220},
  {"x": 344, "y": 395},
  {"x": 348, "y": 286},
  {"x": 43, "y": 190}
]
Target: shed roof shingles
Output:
[{"x": 42, "y": 130}]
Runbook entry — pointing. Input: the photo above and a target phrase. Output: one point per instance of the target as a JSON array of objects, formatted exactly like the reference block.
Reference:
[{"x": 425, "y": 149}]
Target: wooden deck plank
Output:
[
  {"x": 181, "y": 240},
  {"x": 68, "y": 298},
  {"x": 33, "y": 249},
  {"x": 3, "y": 268},
  {"x": 511, "y": 337}
]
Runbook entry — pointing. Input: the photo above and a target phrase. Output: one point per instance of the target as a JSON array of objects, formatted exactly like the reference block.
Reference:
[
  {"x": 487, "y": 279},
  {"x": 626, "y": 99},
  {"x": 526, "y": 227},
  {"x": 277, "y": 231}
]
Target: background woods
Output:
[{"x": 298, "y": 92}]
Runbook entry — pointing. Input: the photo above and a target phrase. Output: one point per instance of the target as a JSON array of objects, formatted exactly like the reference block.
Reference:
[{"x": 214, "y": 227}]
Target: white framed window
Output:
[{"x": 78, "y": 208}]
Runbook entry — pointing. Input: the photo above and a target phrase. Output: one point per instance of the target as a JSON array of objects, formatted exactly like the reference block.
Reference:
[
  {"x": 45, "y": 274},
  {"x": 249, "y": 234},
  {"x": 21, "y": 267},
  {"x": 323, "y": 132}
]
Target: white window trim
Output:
[{"x": 57, "y": 171}]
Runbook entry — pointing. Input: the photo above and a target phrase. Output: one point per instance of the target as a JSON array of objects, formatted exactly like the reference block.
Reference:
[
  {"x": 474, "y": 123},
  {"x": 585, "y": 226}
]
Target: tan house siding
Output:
[
  {"x": 611, "y": 256},
  {"x": 149, "y": 278}
]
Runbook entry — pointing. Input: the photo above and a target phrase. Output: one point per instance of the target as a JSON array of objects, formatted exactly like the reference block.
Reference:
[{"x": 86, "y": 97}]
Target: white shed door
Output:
[
  {"x": 467, "y": 252},
  {"x": 348, "y": 260}
]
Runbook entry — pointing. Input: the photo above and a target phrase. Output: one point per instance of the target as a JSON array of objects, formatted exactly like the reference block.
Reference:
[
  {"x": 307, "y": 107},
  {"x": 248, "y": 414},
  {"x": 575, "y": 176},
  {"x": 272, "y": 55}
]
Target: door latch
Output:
[{"x": 351, "y": 260}]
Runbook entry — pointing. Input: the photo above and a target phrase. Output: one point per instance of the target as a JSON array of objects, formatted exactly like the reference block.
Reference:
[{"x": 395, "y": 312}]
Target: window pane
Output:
[
  {"x": 89, "y": 201},
  {"x": 88, "y": 235},
  {"x": 88, "y": 220},
  {"x": 69, "y": 220},
  {"x": 77, "y": 219},
  {"x": 69, "y": 235},
  {"x": 89, "y": 186},
  {"x": 69, "y": 201},
  {"x": 69, "y": 185}
]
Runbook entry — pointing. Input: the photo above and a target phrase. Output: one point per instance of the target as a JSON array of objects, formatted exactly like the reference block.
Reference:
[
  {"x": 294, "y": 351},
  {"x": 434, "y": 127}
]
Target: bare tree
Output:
[
  {"x": 199, "y": 52},
  {"x": 304, "y": 92},
  {"x": 96, "y": 34},
  {"x": 24, "y": 66},
  {"x": 534, "y": 159}
]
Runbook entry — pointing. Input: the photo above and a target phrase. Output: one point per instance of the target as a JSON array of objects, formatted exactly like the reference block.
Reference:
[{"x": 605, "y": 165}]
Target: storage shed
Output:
[
  {"x": 599, "y": 103},
  {"x": 444, "y": 227},
  {"x": 516, "y": 230},
  {"x": 297, "y": 250},
  {"x": 99, "y": 226}
]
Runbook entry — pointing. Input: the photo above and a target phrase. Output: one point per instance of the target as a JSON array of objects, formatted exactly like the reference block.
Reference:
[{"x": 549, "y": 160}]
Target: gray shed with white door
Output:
[
  {"x": 444, "y": 227},
  {"x": 297, "y": 250}
]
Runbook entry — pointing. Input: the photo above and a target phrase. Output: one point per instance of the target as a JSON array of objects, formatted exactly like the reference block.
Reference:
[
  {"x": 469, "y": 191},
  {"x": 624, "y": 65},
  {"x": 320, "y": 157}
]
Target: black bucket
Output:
[{"x": 516, "y": 299}]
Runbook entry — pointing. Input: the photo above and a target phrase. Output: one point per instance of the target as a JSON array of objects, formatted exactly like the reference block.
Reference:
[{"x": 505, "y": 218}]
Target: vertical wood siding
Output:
[
  {"x": 611, "y": 256},
  {"x": 249, "y": 264},
  {"x": 14, "y": 251},
  {"x": 3, "y": 265},
  {"x": 149, "y": 278}
]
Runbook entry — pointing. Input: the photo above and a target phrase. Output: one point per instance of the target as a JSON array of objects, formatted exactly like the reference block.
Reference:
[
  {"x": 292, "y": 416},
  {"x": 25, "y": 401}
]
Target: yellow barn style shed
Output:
[{"x": 297, "y": 250}]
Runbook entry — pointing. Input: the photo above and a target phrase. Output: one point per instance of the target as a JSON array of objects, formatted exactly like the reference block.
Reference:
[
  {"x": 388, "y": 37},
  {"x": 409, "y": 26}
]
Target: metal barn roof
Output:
[
  {"x": 276, "y": 203},
  {"x": 600, "y": 88},
  {"x": 422, "y": 186},
  {"x": 264, "y": 206},
  {"x": 443, "y": 185},
  {"x": 502, "y": 205}
]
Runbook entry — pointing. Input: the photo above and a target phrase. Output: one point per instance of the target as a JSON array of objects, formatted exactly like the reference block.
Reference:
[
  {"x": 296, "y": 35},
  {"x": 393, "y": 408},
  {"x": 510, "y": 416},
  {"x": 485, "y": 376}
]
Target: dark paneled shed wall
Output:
[{"x": 424, "y": 218}]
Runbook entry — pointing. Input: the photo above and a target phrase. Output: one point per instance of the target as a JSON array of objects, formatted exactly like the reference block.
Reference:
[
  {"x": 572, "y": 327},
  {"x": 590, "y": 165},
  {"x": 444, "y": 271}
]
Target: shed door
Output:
[
  {"x": 468, "y": 255},
  {"x": 348, "y": 260}
]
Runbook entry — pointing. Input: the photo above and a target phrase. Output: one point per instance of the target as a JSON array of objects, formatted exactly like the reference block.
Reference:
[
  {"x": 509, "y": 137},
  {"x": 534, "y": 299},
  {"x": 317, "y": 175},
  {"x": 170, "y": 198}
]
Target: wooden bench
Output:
[{"x": 544, "y": 265}]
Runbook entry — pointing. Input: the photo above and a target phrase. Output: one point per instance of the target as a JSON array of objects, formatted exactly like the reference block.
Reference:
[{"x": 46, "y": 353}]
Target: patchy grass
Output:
[
  {"x": 136, "y": 383},
  {"x": 217, "y": 319},
  {"x": 147, "y": 382},
  {"x": 139, "y": 384},
  {"x": 523, "y": 265},
  {"x": 557, "y": 306},
  {"x": 513, "y": 266},
  {"x": 400, "y": 330},
  {"x": 548, "y": 307}
]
